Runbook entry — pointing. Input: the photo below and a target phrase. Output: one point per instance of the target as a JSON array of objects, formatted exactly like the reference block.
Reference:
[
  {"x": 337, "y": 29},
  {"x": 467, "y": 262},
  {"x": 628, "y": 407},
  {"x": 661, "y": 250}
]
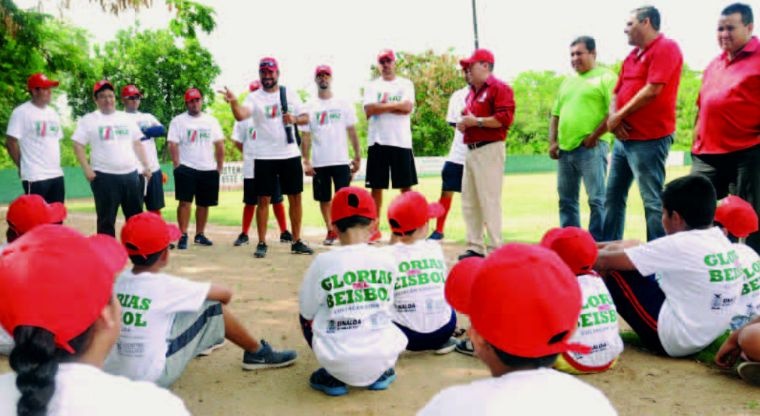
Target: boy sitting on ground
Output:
[{"x": 167, "y": 320}]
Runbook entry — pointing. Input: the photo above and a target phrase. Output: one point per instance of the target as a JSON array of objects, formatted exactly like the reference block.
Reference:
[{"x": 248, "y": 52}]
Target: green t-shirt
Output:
[{"x": 582, "y": 103}]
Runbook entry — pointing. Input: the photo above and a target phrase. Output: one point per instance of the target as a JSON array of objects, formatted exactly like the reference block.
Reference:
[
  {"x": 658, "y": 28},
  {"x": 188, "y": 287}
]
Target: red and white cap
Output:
[
  {"x": 575, "y": 246},
  {"x": 103, "y": 83},
  {"x": 254, "y": 85},
  {"x": 193, "y": 94},
  {"x": 268, "y": 63},
  {"x": 352, "y": 201},
  {"x": 386, "y": 54},
  {"x": 40, "y": 80},
  {"x": 147, "y": 233},
  {"x": 522, "y": 299},
  {"x": 323, "y": 69},
  {"x": 480, "y": 55},
  {"x": 29, "y": 211},
  {"x": 410, "y": 211},
  {"x": 130, "y": 91},
  {"x": 55, "y": 278},
  {"x": 737, "y": 216}
]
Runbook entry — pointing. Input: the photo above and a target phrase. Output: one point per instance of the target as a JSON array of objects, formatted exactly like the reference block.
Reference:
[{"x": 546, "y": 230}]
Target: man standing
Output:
[
  {"x": 196, "y": 145},
  {"x": 278, "y": 158},
  {"x": 331, "y": 123},
  {"x": 487, "y": 116},
  {"x": 33, "y": 141},
  {"x": 727, "y": 142},
  {"x": 151, "y": 128},
  {"x": 114, "y": 140},
  {"x": 643, "y": 120},
  {"x": 388, "y": 104},
  {"x": 577, "y": 136}
]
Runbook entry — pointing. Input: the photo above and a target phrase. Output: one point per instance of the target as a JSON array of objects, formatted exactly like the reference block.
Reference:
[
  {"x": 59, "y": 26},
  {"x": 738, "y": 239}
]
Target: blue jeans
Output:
[
  {"x": 591, "y": 166},
  {"x": 643, "y": 160}
]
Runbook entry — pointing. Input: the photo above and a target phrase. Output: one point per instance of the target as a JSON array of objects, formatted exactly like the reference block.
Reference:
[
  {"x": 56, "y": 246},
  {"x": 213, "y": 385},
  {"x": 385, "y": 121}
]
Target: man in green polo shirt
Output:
[{"x": 578, "y": 136}]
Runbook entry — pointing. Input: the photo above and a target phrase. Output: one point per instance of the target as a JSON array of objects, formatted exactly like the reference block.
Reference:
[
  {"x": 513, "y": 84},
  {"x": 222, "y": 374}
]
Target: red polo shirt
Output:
[
  {"x": 658, "y": 63},
  {"x": 729, "y": 103},
  {"x": 494, "y": 98}
]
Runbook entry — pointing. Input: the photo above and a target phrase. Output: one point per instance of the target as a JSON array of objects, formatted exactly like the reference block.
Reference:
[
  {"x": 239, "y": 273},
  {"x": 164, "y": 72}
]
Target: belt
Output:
[{"x": 473, "y": 146}]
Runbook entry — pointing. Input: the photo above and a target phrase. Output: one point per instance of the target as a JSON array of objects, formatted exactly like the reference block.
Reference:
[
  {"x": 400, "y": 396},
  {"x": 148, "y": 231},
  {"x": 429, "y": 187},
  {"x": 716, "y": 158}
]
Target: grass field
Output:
[{"x": 529, "y": 203}]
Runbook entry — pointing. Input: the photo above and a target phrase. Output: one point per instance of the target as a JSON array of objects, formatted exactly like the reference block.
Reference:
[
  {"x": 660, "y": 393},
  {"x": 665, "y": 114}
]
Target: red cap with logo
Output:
[
  {"x": 29, "y": 211},
  {"x": 268, "y": 63},
  {"x": 130, "y": 91},
  {"x": 193, "y": 94},
  {"x": 55, "y": 278},
  {"x": 323, "y": 69},
  {"x": 386, "y": 54},
  {"x": 103, "y": 83},
  {"x": 40, "y": 80},
  {"x": 254, "y": 85},
  {"x": 737, "y": 216},
  {"x": 480, "y": 55},
  {"x": 575, "y": 246},
  {"x": 147, "y": 233},
  {"x": 352, "y": 201},
  {"x": 410, "y": 211},
  {"x": 523, "y": 300}
]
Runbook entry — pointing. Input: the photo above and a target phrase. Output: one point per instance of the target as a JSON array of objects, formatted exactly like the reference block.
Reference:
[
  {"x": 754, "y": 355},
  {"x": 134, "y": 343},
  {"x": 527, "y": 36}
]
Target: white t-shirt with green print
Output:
[
  {"x": 749, "y": 301},
  {"x": 39, "y": 132}
]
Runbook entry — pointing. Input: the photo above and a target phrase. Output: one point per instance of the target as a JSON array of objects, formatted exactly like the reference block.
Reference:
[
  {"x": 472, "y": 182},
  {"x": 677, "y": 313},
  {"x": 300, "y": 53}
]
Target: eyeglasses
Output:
[
  {"x": 385, "y": 61},
  {"x": 134, "y": 98}
]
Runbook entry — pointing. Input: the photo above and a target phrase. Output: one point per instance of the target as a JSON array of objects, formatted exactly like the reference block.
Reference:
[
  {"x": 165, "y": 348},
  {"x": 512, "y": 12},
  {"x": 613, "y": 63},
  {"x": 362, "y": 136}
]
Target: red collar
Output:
[
  {"x": 748, "y": 49},
  {"x": 639, "y": 52}
]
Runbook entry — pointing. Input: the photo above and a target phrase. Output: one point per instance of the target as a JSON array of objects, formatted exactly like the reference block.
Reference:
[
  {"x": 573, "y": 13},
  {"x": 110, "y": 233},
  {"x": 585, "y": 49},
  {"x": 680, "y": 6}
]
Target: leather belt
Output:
[{"x": 473, "y": 146}]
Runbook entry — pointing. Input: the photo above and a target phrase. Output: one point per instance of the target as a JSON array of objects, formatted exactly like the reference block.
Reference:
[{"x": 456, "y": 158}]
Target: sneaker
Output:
[
  {"x": 321, "y": 380},
  {"x": 436, "y": 236},
  {"x": 382, "y": 383},
  {"x": 209, "y": 350},
  {"x": 375, "y": 237},
  {"x": 286, "y": 237},
  {"x": 172, "y": 246},
  {"x": 182, "y": 243},
  {"x": 299, "y": 247},
  {"x": 749, "y": 371},
  {"x": 447, "y": 346},
  {"x": 465, "y": 347},
  {"x": 261, "y": 250},
  {"x": 266, "y": 357},
  {"x": 330, "y": 238},
  {"x": 241, "y": 240},
  {"x": 469, "y": 253},
  {"x": 202, "y": 240}
]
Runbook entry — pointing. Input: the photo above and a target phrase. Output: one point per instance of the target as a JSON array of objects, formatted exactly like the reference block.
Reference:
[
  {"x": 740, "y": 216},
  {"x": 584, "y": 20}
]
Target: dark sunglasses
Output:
[{"x": 134, "y": 98}]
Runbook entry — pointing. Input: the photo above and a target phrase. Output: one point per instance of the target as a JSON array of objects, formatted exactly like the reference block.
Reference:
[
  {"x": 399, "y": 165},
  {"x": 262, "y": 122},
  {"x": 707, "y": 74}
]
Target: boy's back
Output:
[{"x": 749, "y": 303}]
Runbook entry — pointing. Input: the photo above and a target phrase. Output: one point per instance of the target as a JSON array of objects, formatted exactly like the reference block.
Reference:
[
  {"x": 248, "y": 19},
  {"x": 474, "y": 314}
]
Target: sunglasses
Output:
[
  {"x": 385, "y": 61},
  {"x": 134, "y": 98}
]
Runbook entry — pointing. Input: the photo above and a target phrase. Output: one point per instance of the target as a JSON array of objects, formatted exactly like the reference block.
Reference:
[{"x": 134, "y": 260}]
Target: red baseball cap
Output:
[
  {"x": 147, "y": 233},
  {"x": 268, "y": 63},
  {"x": 575, "y": 246},
  {"x": 193, "y": 94},
  {"x": 523, "y": 300},
  {"x": 410, "y": 211},
  {"x": 737, "y": 216},
  {"x": 55, "y": 278},
  {"x": 130, "y": 91},
  {"x": 352, "y": 201},
  {"x": 254, "y": 85},
  {"x": 103, "y": 83},
  {"x": 386, "y": 54},
  {"x": 459, "y": 282},
  {"x": 29, "y": 211},
  {"x": 480, "y": 55},
  {"x": 40, "y": 80},
  {"x": 323, "y": 69}
]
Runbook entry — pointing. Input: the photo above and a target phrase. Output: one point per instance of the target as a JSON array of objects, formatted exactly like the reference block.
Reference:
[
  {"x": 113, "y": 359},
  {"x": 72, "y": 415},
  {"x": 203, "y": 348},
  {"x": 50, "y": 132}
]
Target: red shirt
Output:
[
  {"x": 729, "y": 103},
  {"x": 494, "y": 98},
  {"x": 658, "y": 63}
]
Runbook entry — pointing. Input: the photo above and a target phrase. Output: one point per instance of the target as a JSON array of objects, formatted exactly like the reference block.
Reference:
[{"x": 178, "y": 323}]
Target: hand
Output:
[
  {"x": 288, "y": 118},
  {"x": 147, "y": 173},
  {"x": 554, "y": 150},
  {"x": 621, "y": 132},
  {"x": 307, "y": 169},
  {"x": 89, "y": 174},
  {"x": 616, "y": 125},
  {"x": 228, "y": 95},
  {"x": 469, "y": 120},
  {"x": 729, "y": 352},
  {"x": 355, "y": 165},
  {"x": 590, "y": 142}
]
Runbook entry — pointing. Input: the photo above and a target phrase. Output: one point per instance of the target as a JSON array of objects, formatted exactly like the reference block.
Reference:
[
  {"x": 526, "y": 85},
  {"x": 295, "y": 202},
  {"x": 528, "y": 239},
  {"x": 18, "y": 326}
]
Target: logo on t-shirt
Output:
[
  {"x": 722, "y": 266},
  {"x": 111, "y": 132},
  {"x": 384, "y": 97},
  {"x": 131, "y": 304},
  {"x": 194, "y": 135},
  {"x": 420, "y": 273},
  {"x": 272, "y": 111},
  {"x": 42, "y": 128},
  {"x": 597, "y": 310},
  {"x": 327, "y": 117},
  {"x": 251, "y": 134},
  {"x": 357, "y": 286}
]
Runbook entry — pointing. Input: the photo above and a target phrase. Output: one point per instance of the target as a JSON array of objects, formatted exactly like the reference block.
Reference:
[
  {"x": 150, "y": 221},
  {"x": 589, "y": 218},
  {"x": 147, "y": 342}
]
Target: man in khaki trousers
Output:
[{"x": 487, "y": 116}]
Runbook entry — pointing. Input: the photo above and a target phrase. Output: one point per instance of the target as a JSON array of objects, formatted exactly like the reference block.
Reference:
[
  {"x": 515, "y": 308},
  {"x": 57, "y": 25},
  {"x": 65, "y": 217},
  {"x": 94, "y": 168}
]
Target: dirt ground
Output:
[{"x": 266, "y": 299}]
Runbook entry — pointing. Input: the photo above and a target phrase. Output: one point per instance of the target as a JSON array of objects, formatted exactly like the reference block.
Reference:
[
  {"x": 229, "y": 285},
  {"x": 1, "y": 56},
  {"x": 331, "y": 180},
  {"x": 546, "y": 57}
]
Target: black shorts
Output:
[
  {"x": 325, "y": 177},
  {"x": 51, "y": 190},
  {"x": 399, "y": 161},
  {"x": 288, "y": 172},
  {"x": 251, "y": 198},
  {"x": 451, "y": 177},
  {"x": 201, "y": 184},
  {"x": 154, "y": 196}
]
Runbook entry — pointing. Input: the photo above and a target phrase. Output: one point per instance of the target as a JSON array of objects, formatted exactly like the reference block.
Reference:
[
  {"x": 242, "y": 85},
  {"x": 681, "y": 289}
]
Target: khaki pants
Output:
[{"x": 481, "y": 196}]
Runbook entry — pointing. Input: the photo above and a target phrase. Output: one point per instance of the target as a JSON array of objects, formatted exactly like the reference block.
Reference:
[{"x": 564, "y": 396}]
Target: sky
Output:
[{"x": 347, "y": 34}]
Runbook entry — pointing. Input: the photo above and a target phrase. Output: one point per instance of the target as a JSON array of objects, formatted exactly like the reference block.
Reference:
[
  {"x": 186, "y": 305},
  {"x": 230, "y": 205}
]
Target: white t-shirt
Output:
[
  {"x": 38, "y": 131},
  {"x": 389, "y": 129},
  {"x": 699, "y": 273},
  {"x": 348, "y": 293},
  {"x": 244, "y": 132},
  {"x": 272, "y": 141},
  {"x": 531, "y": 392},
  {"x": 149, "y": 302},
  {"x": 82, "y": 389},
  {"x": 457, "y": 103},
  {"x": 420, "y": 279},
  {"x": 597, "y": 326},
  {"x": 749, "y": 301},
  {"x": 328, "y": 120},
  {"x": 111, "y": 138},
  {"x": 145, "y": 120},
  {"x": 196, "y": 136}
]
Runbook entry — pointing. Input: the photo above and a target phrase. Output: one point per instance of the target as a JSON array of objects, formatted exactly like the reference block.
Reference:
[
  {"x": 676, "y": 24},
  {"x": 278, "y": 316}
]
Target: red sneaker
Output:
[
  {"x": 330, "y": 238},
  {"x": 375, "y": 237}
]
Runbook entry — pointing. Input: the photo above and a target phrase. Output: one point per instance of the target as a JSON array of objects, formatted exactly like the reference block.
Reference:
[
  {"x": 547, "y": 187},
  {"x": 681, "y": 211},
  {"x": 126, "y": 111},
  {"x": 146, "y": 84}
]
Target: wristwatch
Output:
[{"x": 480, "y": 121}]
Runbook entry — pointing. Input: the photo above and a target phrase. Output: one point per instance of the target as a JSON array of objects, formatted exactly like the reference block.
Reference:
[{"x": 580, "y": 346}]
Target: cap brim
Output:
[
  {"x": 57, "y": 212},
  {"x": 49, "y": 84},
  {"x": 435, "y": 210},
  {"x": 111, "y": 253},
  {"x": 465, "y": 63},
  {"x": 459, "y": 283}
]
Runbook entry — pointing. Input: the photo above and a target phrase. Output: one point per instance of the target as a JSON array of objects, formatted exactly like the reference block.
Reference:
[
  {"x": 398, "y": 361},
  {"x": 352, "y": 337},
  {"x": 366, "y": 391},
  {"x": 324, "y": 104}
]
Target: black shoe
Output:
[
  {"x": 241, "y": 240},
  {"x": 299, "y": 247},
  {"x": 286, "y": 237},
  {"x": 321, "y": 380},
  {"x": 469, "y": 253},
  {"x": 201, "y": 239},
  {"x": 182, "y": 243},
  {"x": 261, "y": 250}
]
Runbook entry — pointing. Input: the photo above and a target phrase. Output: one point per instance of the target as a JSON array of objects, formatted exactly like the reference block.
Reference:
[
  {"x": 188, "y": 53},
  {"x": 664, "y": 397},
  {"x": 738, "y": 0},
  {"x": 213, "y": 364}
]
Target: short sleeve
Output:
[
  {"x": 183, "y": 295},
  {"x": 349, "y": 113},
  {"x": 665, "y": 61},
  {"x": 409, "y": 92},
  {"x": 456, "y": 104},
  {"x": 557, "y": 107},
  {"x": 153, "y": 120},
  {"x": 174, "y": 130},
  {"x": 16, "y": 124},
  {"x": 80, "y": 133},
  {"x": 309, "y": 297},
  {"x": 609, "y": 80},
  {"x": 654, "y": 256},
  {"x": 216, "y": 130},
  {"x": 249, "y": 102},
  {"x": 295, "y": 105},
  {"x": 135, "y": 133},
  {"x": 369, "y": 94},
  {"x": 238, "y": 132}
]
